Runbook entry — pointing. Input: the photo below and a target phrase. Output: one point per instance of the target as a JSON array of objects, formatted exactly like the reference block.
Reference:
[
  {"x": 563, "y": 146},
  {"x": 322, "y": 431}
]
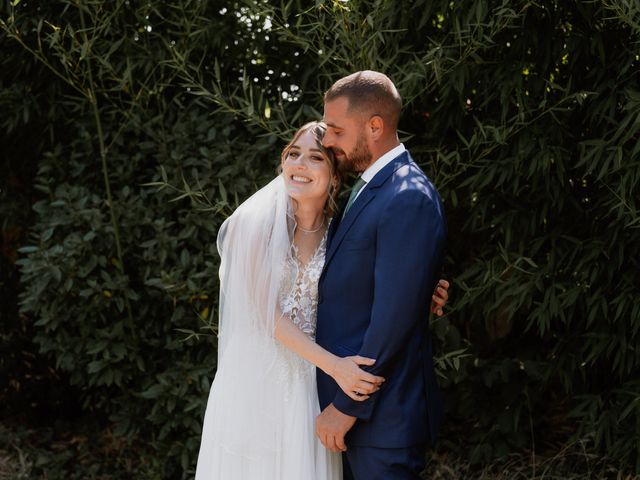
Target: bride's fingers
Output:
[
  {"x": 441, "y": 301},
  {"x": 369, "y": 377},
  {"x": 357, "y": 396},
  {"x": 363, "y": 360},
  {"x": 366, "y": 388},
  {"x": 366, "y": 376}
]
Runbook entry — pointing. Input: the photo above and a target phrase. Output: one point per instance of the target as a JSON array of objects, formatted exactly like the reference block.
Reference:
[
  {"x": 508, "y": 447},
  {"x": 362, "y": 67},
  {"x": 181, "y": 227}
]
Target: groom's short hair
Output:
[{"x": 371, "y": 93}]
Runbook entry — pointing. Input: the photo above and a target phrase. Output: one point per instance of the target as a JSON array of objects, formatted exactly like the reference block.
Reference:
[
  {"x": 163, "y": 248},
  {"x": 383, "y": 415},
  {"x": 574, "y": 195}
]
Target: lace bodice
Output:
[{"x": 299, "y": 292}]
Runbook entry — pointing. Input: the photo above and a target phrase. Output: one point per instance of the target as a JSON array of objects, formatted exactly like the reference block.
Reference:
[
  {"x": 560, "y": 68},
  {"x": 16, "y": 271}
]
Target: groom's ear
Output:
[{"x": 376, "y": 127}]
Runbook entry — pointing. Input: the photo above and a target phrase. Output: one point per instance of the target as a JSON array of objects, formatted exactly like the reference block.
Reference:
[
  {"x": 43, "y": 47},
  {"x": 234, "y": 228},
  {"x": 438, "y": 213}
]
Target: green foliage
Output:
[
  {"x": 113, "y": 269},
  {"x": 63, "y": 451},
  {"x": 525, "y": 114}
]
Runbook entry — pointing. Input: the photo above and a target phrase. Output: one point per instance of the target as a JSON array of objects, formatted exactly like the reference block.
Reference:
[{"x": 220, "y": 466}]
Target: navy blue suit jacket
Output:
[{"x": 374, "y": 295}]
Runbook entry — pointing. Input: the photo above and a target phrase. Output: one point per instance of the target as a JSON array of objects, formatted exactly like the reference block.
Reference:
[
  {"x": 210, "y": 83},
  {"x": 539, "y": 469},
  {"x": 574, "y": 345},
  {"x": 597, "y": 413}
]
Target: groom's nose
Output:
[{"x": 327, "y": 140}]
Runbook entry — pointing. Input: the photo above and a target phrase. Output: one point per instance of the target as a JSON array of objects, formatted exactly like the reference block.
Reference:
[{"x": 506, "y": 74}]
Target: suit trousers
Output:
[{"x": 370, "y": 463}]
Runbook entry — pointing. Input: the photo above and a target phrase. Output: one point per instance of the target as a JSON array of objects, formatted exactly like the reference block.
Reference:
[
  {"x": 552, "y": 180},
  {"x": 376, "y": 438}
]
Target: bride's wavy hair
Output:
[{"x": 318, "y": 129}]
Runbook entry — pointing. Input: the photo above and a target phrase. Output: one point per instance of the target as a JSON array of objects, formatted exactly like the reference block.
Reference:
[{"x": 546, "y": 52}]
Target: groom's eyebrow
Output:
[{"x": 332, "y": 125}]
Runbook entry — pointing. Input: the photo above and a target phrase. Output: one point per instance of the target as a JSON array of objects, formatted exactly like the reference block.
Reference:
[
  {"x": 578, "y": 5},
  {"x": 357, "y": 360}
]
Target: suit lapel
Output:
[
  {"x": 343, "y": 227},
  {"x": 335, "y": 222},
  {"x": 340, "y": 228}
]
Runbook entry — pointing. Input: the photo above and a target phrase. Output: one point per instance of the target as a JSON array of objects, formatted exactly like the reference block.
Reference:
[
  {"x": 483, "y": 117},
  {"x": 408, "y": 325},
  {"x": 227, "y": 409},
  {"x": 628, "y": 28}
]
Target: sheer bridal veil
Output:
[{"x": 253, "y": 243}]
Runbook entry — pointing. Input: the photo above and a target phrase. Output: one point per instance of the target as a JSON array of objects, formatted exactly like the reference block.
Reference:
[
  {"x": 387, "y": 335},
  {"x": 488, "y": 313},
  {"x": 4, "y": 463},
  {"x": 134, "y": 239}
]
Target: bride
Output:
[{"x": 260, "y": 417}]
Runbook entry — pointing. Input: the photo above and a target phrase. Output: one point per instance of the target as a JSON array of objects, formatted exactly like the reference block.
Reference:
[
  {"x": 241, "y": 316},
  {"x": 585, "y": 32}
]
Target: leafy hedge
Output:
[{"x": 525, "y": 114}]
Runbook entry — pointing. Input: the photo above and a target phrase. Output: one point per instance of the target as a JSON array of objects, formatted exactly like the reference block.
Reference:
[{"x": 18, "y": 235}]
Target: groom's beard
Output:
[{"x": 356, "y": 161}]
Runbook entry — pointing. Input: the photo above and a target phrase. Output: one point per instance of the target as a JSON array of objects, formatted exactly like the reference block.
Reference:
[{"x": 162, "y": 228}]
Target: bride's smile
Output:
[
  {"x": 300, "y": 179},
  {"x": 307, "y": 171}
]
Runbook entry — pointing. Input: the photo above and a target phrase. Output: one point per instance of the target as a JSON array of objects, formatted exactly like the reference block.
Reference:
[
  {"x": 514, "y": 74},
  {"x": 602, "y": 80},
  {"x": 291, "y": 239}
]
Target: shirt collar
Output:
[{"x": 382, "y": 162}]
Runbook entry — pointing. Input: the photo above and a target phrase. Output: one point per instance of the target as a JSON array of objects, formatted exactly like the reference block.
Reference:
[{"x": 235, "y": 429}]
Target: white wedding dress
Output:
[{"x": 260, "y": 417}]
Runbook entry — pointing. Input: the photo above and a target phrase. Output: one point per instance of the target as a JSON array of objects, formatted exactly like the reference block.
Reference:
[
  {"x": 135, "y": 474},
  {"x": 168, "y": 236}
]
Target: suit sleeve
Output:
[{"x": 409, "y": 246}]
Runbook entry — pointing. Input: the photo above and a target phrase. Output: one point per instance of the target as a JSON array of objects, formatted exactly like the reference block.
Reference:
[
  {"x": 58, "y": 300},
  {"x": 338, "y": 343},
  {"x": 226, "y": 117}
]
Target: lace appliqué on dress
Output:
[
  {"x": 299, "y": 301},
  {"x": 299, "y": 293}
]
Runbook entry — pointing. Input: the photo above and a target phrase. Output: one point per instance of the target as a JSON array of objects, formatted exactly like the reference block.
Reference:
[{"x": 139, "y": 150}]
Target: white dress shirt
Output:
[{"x": 379, "y": 164}]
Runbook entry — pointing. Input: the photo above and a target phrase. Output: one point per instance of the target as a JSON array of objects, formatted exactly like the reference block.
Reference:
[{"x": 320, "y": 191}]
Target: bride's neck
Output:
[{"x": 309, "y": 217}]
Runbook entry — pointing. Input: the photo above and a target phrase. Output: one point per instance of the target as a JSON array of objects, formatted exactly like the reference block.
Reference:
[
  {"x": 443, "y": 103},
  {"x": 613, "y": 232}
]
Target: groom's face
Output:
[{"x": 346, "y": 136}]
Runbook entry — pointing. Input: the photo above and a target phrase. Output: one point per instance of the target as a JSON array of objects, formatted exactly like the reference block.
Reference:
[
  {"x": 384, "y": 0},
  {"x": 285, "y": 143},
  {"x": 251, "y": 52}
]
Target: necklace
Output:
[{"x": 304, "y": 230}]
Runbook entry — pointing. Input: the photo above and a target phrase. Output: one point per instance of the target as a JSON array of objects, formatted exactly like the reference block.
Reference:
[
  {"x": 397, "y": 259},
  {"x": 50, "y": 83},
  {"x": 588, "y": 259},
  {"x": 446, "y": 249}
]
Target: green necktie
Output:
[{"x": 354, "y": 193}]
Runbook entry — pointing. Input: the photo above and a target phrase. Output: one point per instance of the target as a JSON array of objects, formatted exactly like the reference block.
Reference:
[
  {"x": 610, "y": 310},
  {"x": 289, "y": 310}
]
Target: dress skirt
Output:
[{"x": 260, "y": 418}]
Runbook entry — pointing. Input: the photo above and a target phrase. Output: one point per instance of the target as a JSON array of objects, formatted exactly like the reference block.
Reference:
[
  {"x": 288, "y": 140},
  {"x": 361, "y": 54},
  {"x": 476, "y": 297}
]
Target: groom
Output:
[{"x": 383, "y": 255}]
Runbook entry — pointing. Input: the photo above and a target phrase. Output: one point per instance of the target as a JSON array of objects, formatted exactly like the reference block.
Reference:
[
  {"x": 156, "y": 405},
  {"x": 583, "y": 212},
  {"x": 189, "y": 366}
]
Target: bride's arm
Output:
[{"x": 353, "y": 381}]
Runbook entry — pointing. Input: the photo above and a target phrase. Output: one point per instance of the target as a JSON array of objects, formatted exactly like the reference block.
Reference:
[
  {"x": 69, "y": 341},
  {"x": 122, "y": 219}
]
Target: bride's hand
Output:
[{"x": 354, "y": 381}]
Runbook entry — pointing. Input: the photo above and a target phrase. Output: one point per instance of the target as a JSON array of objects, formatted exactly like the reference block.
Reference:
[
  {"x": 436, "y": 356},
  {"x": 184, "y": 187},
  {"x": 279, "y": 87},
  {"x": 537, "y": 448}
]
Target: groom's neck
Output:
[{"x": 381, "y": 147}]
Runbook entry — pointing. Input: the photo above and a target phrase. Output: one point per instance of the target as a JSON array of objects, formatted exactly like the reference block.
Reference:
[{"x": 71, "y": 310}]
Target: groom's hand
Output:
[{"x": 331, "y": 427}]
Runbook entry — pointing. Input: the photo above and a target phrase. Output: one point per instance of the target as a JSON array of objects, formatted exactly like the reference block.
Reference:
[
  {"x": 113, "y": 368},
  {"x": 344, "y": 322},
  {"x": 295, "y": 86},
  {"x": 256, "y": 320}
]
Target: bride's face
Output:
[{"x": 307, "y": 171}]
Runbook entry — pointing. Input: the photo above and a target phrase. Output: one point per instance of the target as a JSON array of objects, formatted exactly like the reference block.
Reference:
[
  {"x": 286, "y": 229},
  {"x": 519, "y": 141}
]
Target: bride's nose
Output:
[{"x": 299, "y": 161}]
